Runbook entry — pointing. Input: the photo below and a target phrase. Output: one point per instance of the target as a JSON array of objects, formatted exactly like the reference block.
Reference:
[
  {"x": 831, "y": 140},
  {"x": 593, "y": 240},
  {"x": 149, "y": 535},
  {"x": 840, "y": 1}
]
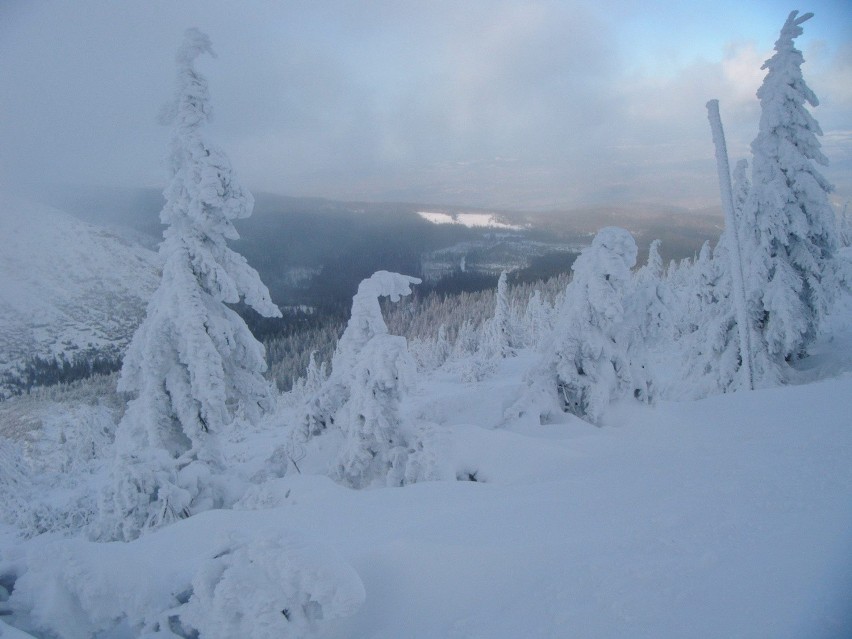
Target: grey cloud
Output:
[{"x": 497, "y": 103}]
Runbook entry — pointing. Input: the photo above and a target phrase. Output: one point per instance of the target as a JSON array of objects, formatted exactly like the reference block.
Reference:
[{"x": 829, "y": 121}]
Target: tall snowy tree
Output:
[
  {"x": 537, "y": 320},
  {"x": 788, "y": 217},
  {"x": 193, "y": 364}
]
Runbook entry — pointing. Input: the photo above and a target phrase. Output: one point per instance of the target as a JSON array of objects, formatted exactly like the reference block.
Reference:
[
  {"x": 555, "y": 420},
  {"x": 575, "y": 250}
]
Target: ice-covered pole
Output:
[{"x": 735, "y": 253}]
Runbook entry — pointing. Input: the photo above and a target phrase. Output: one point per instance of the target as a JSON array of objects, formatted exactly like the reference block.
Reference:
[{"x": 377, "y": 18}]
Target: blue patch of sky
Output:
[{"x": 663, "y": 37}]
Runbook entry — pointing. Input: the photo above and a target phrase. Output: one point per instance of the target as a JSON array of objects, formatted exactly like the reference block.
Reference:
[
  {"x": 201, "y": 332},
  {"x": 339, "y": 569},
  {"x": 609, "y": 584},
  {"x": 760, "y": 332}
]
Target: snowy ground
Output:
[{"x": 726, "y": 517}]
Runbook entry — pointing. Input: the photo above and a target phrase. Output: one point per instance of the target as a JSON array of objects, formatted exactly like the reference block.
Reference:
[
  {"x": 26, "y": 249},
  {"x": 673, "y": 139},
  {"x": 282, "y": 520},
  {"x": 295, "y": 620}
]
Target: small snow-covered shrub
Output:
[
  {"x": 428, "y": 454},
  {"x": 272, "y": 587},
  {"x": 48, "y": 462}
]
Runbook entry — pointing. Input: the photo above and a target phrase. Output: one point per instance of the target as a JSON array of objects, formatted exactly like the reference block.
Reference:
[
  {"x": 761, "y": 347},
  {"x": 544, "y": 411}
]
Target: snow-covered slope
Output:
[
  {"x": 66, "y": 286},
  {"x": 727, "y": 517}
]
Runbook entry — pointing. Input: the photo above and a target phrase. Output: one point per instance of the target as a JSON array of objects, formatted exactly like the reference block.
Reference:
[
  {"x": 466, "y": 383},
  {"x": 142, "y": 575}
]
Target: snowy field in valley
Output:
[{"x": 470, "y": 220}]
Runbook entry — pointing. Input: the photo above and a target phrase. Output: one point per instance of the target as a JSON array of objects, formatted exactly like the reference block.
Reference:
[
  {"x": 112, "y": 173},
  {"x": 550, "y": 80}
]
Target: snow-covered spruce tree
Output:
[
  {"x": 650, "y": 302},
  {"x": 649, "y": 314},
  {"x": 496, "y": 336},
  {"x": 537, "y": 320},
  {"x": 790, "y": 223},
  {"x": 713, "y": 349},
  {"x": 370, "y": 373},
  {"x": 597, "y": 355},
  {"x": 710, "y": 347},
  {"x": 375, "y": 449},
  {"x": 366, "y": 321},
  {"x": 193, "y": 364}
]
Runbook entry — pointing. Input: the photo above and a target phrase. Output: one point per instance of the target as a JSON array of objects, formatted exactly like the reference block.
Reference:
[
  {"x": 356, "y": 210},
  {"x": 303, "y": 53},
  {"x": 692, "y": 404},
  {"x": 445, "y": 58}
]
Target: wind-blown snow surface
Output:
[
  {"x": 66, "y": 285},
  {"x": 726, "y": 517}
]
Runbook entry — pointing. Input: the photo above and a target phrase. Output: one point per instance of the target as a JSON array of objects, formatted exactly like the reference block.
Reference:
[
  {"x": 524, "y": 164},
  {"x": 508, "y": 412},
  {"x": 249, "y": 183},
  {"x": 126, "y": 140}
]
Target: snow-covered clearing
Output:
[{"x": 470, "y": 220}]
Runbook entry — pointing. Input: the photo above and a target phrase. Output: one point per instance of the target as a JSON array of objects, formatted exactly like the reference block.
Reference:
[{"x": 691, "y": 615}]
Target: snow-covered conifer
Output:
[
  {"x": 591, "y": 358},
  {"x": 466, "y": 340},
  {"x": 193, "y": 364},
  {"x": 315, "y": 375},
  {"x": 374, "y": 445},
  {"x": 537, "y": 320},
  {"x": 710, "y": 346},
  {"x": 650, "y": 302},
  {"x": 371, "y": 371},
  {"x": 431, "y": 353},
  {"x": 789, "y": 220},
  {"x": 365, "y": 323},
  {"x": 443, "y": 347},
  {"x": 496, "y": 336}
]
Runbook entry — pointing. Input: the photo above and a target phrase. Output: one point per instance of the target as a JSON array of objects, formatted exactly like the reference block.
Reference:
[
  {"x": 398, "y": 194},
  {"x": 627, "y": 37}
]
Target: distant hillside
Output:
[
  {"x": 312, "y": 251},
  {"x": 67, "y": 288}
]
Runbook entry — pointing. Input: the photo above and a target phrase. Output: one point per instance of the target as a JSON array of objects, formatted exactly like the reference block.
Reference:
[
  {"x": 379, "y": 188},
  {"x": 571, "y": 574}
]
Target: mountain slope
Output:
[{"x": 66, "y": 287}]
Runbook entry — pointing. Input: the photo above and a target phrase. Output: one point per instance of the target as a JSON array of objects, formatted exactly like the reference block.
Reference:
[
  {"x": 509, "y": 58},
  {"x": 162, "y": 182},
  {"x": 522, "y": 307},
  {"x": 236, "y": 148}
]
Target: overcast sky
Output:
[{"x": 507, "y": 104}]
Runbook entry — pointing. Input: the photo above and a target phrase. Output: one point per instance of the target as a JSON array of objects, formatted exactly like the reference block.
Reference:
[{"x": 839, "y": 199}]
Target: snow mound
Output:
[
  {"x": 271, "y": 587},
  {"x": 183, "y": 582}
]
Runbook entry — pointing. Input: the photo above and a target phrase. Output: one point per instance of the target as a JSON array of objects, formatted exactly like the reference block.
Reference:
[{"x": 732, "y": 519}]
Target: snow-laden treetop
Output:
[
  {"x": 784, "y": 90},
  {"x": 613, "y": 254},
  {"x": 215, "y": 198},
  {"x": 367, "y": 321},
  {"x": 204, "y": 195}
]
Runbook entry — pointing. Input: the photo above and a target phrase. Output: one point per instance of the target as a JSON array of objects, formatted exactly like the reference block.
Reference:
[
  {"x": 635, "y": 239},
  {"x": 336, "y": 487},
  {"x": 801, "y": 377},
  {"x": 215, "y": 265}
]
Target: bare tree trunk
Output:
[{"x": 735, "y": 252}]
